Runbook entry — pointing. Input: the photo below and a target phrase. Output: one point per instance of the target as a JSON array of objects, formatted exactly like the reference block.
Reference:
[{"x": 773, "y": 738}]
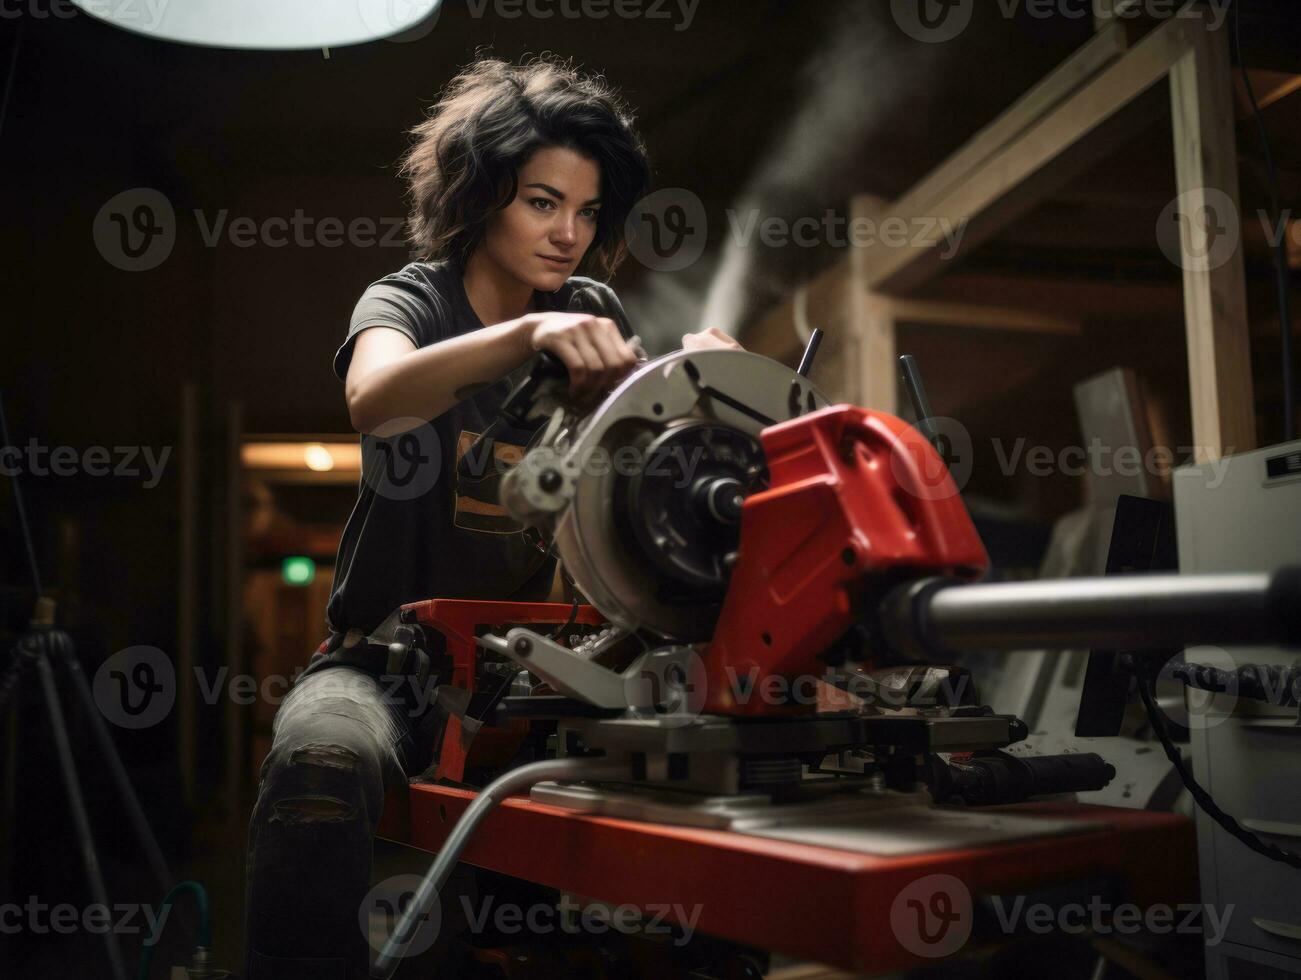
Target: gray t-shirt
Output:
[{"x": 427, "y": 523}]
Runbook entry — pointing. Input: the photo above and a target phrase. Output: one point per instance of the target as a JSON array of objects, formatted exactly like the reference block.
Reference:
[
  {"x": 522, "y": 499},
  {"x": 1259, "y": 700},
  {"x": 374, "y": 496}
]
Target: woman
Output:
[{"x": 520, "y": 176}]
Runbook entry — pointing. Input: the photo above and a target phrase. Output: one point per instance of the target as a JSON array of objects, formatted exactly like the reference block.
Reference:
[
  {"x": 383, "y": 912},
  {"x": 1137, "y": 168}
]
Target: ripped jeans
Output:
[{"x": 342, "y": 737}]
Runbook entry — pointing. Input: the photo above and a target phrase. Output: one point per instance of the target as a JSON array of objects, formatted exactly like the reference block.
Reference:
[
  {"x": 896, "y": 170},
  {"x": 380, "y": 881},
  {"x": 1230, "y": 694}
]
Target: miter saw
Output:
[{"x": 773, "y": 584}]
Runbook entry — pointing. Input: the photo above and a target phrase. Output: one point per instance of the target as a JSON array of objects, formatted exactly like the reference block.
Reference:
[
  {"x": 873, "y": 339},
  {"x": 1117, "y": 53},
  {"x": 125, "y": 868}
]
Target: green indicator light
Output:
[{"x": 298, "y": 570}]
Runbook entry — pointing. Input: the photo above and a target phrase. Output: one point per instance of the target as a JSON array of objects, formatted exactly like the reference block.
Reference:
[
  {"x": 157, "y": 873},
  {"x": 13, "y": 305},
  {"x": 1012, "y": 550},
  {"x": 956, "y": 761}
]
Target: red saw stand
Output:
[
  {"x": 839, "y": 906},
  {"x": 849, "y": 909}
]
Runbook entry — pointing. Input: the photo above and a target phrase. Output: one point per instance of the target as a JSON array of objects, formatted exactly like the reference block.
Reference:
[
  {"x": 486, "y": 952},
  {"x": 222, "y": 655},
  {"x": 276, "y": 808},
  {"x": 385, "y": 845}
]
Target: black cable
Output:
[
  {"x": 1203, "y": 798},
  {"x": 573, "y": 608},
  {"x": 18, "y": 500},
  {"x": 1281, "y": 268},
  {"x": 493, "y": 701},
  {"x": 1279, "y": 686},
  {"x": 573, "y": 615}
]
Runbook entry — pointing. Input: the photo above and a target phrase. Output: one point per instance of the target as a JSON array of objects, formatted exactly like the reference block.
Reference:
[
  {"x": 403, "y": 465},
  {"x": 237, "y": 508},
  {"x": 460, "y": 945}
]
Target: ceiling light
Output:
[{"x": 281, "y": 25}]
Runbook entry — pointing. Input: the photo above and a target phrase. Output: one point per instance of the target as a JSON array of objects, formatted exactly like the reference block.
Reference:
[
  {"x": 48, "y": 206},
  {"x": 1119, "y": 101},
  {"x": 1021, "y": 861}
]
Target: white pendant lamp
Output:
[{"x": 281, "y": 25}]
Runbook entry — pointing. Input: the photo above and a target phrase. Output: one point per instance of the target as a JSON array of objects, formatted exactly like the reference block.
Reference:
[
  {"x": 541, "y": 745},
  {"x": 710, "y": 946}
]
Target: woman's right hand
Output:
[{"x": 591, "y": 348}]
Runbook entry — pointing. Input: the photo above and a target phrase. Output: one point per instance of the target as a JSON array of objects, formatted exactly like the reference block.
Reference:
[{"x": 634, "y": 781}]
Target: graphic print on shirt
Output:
[{"x": 479, "y": 469}]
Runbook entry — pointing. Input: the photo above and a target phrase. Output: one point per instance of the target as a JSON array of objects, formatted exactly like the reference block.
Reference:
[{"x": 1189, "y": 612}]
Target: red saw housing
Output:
[{"x": 855, "y": 496}]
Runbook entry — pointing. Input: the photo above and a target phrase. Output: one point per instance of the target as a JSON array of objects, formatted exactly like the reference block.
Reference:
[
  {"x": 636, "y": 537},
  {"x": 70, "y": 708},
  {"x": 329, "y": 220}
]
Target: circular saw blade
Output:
[{"x": 730, "y": 388}]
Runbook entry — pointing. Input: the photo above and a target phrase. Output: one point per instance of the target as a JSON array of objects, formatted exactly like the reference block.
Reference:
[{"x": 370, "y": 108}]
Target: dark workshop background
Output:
[{"x": 795, "y": 105}]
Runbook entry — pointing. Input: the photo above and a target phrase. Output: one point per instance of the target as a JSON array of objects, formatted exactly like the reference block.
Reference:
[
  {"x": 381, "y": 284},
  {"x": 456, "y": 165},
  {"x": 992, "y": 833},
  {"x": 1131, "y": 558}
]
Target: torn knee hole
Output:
[
  {"x": 324, "y": 754},
  {"x": 310, "y": 809}
]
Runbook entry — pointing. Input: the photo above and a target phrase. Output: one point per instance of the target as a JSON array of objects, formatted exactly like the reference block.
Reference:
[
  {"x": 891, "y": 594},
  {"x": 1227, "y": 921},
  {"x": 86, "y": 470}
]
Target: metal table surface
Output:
[{"x": 848, "y": 909}]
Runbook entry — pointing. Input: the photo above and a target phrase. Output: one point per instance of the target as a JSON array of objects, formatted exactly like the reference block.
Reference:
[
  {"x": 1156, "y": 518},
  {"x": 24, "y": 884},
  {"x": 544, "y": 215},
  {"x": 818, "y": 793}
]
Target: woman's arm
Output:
[{"x": 389, "y": 379}]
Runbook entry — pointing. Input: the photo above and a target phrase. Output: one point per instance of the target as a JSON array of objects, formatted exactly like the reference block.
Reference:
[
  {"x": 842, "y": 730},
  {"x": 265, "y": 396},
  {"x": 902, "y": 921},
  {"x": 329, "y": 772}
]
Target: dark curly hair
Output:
[{"x": 489, "y": 120}]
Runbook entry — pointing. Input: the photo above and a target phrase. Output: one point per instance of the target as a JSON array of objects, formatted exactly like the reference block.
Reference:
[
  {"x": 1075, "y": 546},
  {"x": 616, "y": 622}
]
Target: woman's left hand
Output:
[{"x": 708, "y": 339}]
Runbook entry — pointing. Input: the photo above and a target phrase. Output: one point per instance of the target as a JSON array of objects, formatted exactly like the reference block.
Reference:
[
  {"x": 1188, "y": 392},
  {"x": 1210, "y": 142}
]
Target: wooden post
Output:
[
  {"x": 1215, "y": 296},
  {"x": 235, "y": 718},
  {"x": 874, "y": 327},
  {"x": 187, "y": 595},
  {"x": 871, "y": 370}
]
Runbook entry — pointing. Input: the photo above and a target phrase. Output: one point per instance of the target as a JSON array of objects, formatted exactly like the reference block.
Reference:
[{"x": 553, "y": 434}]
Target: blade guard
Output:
[{"x": 856, "y": 497}]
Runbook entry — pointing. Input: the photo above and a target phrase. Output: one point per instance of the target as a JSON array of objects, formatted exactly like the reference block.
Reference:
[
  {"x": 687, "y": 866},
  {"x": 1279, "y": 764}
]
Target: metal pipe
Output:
[{"x": 1127, "y": 612}]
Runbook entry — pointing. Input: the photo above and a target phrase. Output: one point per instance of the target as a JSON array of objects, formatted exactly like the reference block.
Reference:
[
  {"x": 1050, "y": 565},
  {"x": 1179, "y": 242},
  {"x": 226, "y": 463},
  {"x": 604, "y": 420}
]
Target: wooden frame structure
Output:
[{"x": 1072, "y": 119}]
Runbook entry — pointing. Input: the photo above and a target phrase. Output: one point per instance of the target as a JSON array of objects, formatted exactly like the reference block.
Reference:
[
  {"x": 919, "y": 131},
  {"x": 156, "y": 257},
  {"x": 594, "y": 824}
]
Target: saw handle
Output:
[
  {"x": 546, "y": 367},
  {"x": 591, "y": 297}
]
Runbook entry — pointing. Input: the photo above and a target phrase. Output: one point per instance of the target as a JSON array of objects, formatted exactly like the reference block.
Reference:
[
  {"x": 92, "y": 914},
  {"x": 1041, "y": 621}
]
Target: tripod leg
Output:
[
  {"x": 69, "y": 769},
  {"x": 11, "y": 678},
  {"x": 139, "y": 823}
]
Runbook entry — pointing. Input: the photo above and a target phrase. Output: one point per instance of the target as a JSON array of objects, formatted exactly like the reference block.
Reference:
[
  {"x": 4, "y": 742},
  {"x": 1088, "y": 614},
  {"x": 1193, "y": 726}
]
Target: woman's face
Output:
[{"x": 542, "y": 234}]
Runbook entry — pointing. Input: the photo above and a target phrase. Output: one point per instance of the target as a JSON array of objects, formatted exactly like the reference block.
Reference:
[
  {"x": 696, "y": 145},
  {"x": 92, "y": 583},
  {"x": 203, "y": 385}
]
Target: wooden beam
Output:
[
  {"x": 1269, "y": 86},
  {"x": 1048, "y": 154},
  {"x": 1110, "y": 13},
  {"x": 1067, "y": 78},
  {"x": 954, "y": 314},
  {"x": 1085, "y": 298},
  {"x": 1215, "y": 295}
]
